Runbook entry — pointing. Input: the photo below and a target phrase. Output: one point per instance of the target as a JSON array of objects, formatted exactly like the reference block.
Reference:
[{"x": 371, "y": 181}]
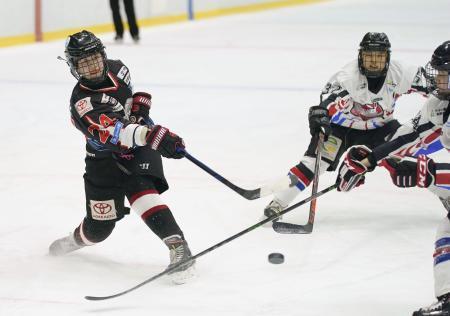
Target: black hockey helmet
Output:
[
  {"x": 374, "y": 42},
  {"x": 441, "y": 57},
  {"x": 82, "y": 45},
  {"x": 437, "y": 71}
]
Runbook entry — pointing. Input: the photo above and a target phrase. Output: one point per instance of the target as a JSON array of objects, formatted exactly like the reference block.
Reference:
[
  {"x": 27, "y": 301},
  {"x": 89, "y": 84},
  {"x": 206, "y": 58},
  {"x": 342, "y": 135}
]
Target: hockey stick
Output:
[
  {"x": 248, "y": 194},
  {"x": 202, "y": 253},
  {"x": 289, "y": 228}
]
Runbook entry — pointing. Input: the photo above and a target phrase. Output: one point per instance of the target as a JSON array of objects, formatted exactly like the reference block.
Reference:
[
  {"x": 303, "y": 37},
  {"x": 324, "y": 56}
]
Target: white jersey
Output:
[
  {"x": 355, "y": 106},
  {"x": 427, "y": 132},
  {"x": 441, "y": 255}
]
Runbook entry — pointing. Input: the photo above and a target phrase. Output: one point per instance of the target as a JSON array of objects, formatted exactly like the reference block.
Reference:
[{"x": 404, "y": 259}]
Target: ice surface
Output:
[{"x": 237, "y": 90}]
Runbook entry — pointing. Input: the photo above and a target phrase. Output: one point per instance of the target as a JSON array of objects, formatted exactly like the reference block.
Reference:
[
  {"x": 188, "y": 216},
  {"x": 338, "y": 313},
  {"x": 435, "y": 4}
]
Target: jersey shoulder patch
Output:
[
  {"x": 83, "y": 106},
  {"x": 122, "y": 72},
  {"x": 435, "y": 110}
]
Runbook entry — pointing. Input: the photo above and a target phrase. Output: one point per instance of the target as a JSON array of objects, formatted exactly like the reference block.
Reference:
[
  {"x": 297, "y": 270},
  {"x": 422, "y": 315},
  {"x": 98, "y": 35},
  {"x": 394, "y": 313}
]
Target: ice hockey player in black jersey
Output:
[
  {"x": 428, "y": 131},
  {"x": 123, "y": 153}
]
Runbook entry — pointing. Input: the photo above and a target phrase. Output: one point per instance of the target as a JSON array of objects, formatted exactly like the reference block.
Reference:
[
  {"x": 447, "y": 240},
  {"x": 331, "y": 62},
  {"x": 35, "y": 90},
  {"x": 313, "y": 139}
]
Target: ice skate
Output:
[
  {"x": 64, "y": 245},
  {"x": 118, "y": 39},
  {"x": 439, "y": 308},
  {"x": 179, "y": 251},
  {"x": 273, "y": 208},
  {"x": 136, "y": 39}
]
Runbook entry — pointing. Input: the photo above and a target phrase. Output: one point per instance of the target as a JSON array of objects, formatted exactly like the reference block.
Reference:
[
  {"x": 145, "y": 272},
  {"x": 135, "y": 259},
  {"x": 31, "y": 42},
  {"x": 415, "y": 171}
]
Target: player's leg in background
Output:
[
  {"x": 131, "y": 18},
  {"x": 441, "y": 273},
  {"x": 117, "y": 19},
  {"x": 442, "y": 259},
  {"x": 303, "y": 173}
]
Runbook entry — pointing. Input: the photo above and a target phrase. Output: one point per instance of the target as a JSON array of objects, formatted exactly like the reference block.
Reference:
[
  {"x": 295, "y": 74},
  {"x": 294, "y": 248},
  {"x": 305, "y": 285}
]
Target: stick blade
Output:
[
  {"x": 95, "y": 298},
  {"x": 251, "y": 194},
  {"x": 102, "y": 298},
  {"x": 288, "y": 228}
]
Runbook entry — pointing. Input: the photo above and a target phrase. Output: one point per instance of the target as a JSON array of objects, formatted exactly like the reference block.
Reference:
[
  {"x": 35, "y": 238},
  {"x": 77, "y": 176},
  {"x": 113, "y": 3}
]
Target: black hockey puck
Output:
[{"x": 276, "y": 258}]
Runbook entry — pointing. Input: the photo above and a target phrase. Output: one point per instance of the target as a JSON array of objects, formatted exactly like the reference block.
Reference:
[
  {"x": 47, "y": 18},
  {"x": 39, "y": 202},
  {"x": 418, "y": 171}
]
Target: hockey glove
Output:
[
  {"x": 319, "y": 121},
  {"x": 165, "y": 142},
  {"x": 352, "y": 170},
  {"x": 140, "y": 107},
  {"x": 410, "y": 172}
]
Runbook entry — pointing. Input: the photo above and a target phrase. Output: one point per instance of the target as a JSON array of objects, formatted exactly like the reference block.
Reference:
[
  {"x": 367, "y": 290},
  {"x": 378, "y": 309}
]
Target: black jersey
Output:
[{"x": 101, "y": 114}]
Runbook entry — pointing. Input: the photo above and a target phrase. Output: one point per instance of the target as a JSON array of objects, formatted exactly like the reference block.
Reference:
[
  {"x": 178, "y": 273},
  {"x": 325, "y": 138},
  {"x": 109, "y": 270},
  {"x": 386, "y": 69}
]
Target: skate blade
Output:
[{"x": 183, "y": 277}]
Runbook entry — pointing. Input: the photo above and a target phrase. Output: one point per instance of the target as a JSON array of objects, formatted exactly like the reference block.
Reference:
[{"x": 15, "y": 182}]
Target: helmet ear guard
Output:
[
  {"x": 374, "y": 42},
  {"x": 82, "y": 45}
]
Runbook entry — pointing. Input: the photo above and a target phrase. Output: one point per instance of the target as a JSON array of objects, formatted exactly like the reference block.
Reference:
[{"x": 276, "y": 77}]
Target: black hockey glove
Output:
[
  {"x": 165, "y": 142},
  {"x": 410, "y": 172},
  {"x": 140, "y": 107},
  {"x": 319, "y": 121},
  {"x": 352, "y": 170}
]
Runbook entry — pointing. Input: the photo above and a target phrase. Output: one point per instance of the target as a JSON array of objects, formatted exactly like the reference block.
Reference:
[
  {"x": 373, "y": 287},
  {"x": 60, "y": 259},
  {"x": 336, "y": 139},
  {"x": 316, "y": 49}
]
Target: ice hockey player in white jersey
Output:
[
  {"x": 358, "y": 111},
  {"x": 427, "y": 132},
  {"x": 424, "y": 172}
]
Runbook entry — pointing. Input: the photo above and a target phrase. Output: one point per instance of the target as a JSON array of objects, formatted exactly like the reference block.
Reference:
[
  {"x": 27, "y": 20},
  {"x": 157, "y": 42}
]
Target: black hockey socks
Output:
[{"x": 163, "y": 224}]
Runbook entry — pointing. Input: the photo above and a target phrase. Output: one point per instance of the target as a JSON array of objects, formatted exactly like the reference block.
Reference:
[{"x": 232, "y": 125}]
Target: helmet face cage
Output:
[
  {"x": 86, "y": 57},
  {"x": 437, "y": 79},
  {"x": 374, "y": 55},
  {"x": 91, "y": 67}
]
